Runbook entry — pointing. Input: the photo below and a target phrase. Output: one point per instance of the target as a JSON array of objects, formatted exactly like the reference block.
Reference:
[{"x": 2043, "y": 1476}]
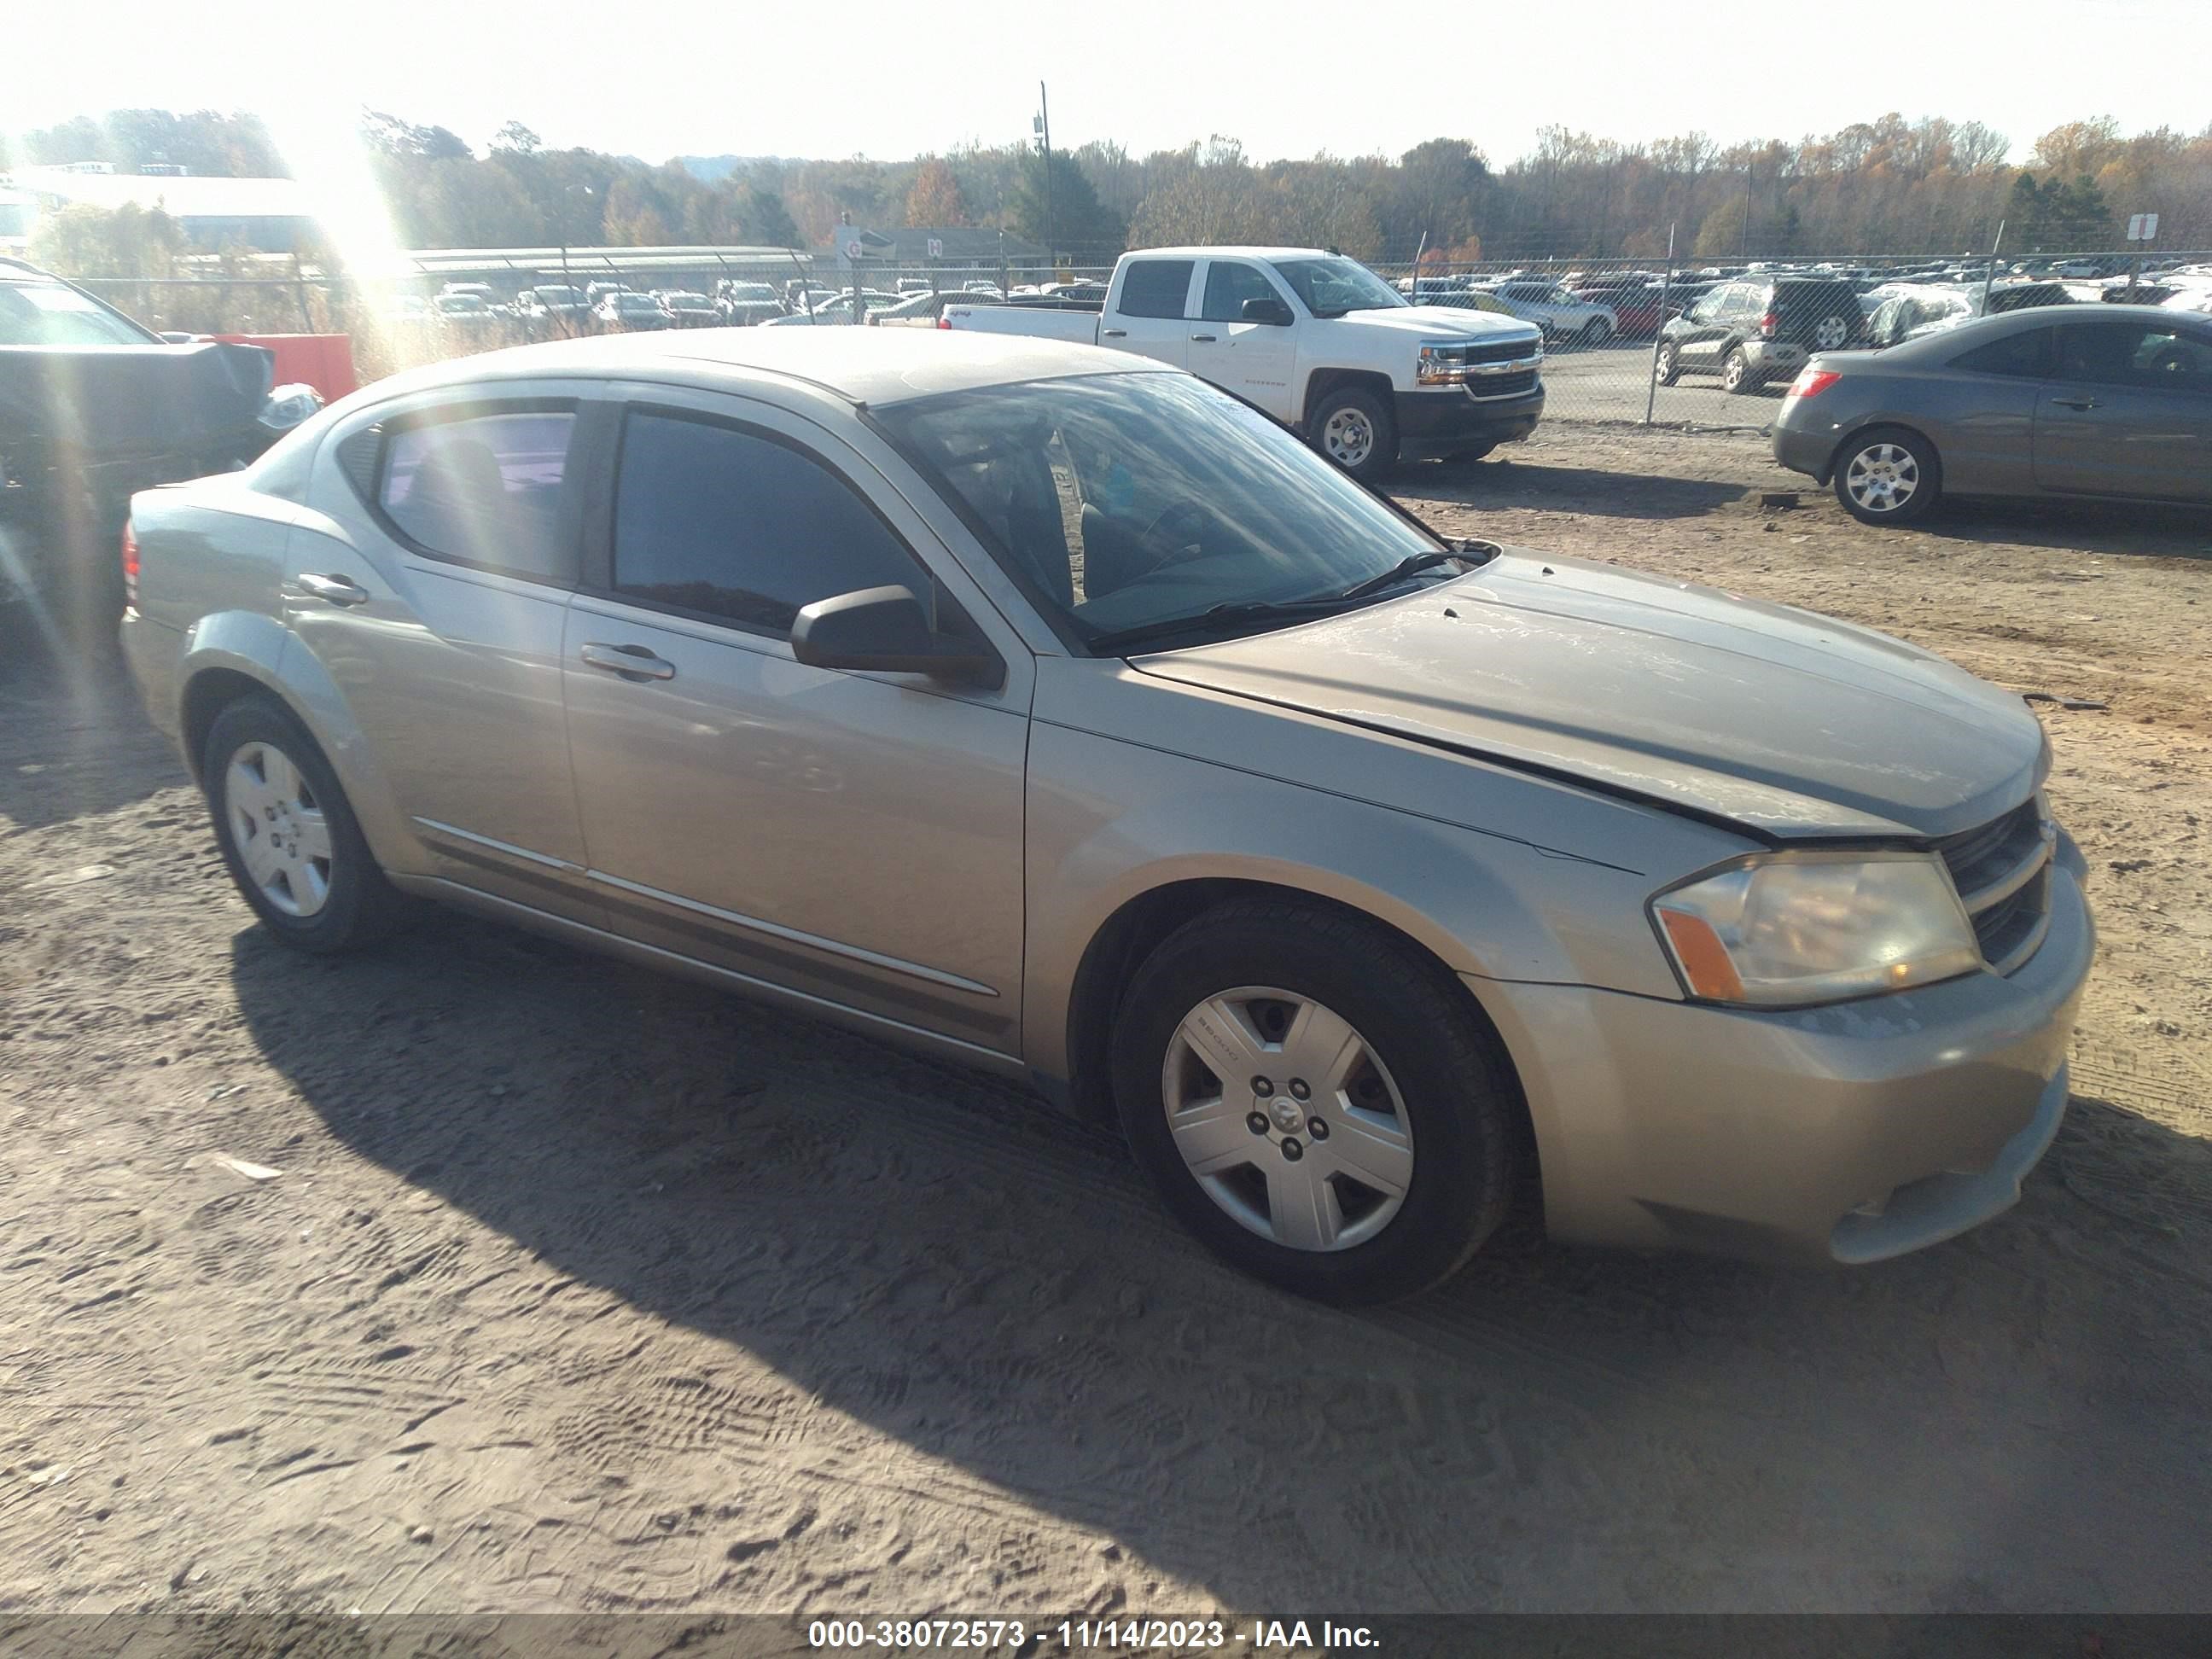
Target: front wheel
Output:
[
  {"x": 1353, "y": 429},
  {"x": 1667, "y": 368},
  {"x": 1595, "y": 332},
  {"x": 1319, "y": 1105},
  {"x": 1888, "y": 475}
]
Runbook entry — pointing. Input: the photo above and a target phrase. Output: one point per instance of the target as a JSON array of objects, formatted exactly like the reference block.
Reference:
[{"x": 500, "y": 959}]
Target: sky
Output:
[{"x": 892, "y": 81}]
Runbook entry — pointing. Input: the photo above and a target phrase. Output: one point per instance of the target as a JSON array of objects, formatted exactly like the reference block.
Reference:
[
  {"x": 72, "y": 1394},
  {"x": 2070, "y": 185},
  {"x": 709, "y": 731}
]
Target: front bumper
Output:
[
  {"x": 1846, "y": 1133},
  {"x": 1438, "y": 420}
]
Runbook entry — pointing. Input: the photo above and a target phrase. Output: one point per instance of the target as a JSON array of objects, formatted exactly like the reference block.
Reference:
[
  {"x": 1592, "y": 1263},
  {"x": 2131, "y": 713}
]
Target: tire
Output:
[
  {"x": 1439, "y": 1112},
  {"x": 1736, "y": 377},
  {"x": 1353, "y": 429},
  {"x": 1595, "y": 332},
  {"x": 335, "y": 903},
  {"x": 1887, "y": 475},
  {"x": 1667, "y": 368}
]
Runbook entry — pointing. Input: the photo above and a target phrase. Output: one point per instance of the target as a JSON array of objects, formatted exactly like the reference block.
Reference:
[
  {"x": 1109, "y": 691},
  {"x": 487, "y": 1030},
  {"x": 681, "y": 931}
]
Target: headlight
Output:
[
  {"x": 1787, "y": 929},
  {"x": 1441, "y": 364},
  {"x": 286, "y": 406}
]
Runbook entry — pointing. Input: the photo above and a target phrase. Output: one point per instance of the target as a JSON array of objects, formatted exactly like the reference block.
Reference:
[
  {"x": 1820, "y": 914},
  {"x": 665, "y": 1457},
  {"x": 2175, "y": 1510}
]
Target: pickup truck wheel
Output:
[
  {"x": 1353, "y": 429},
  {"x": 1667, "y": 368},
  {"x": 287, "y": 835},
  {"x": 1735, "y": 372},
  {"x": 1887, "y": 476},
  {"x": 1316, "y": 1103}
]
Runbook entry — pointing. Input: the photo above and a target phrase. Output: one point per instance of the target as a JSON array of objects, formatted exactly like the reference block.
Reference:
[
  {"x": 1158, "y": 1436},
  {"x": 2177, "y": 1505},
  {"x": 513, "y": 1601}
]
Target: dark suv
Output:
[{"x": 1760, "y": 329}]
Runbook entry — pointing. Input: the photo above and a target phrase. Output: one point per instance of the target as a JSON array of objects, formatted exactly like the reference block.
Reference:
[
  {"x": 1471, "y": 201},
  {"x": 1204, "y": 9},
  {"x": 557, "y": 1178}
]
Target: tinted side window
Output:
[
  {"x": 2023, "y": 357},
  {"x": 2154, "y": 357},
  {"x": 485, "y": 489},
  {"x": 1228, "y": 286},
  {"x": 735, "y": 525},
  {"x": 1155, "y": 287}
]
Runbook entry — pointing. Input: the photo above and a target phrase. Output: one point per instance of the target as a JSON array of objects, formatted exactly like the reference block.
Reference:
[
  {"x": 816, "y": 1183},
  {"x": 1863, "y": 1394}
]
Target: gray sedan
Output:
[
  {"x": 2113, "y": 401},
  {"x": 1050, "y": 710}
]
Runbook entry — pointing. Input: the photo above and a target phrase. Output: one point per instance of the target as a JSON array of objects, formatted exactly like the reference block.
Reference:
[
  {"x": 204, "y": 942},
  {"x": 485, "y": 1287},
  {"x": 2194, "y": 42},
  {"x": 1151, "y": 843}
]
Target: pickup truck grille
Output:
[
  {"x": 2003, "y": 872},
  {"x": 1500, "y": 351},
  {"x": 1517, "y": 384}
]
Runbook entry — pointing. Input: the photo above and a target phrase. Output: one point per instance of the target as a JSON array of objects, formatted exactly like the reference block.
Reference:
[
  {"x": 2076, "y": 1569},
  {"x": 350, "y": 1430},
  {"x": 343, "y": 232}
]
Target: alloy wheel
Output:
[
  {"x": 1882, "y": 477},
  {"x": 1288, "y": 1118}
]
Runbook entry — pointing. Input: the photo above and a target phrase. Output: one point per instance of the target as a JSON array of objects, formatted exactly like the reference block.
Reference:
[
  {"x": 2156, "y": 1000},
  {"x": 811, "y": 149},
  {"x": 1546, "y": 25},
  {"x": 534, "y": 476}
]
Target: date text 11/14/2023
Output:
[{"x": 982, "y": 1637}]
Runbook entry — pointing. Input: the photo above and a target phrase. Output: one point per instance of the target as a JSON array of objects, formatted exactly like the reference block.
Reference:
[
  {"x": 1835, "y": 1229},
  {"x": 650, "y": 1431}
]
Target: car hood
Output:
[
  {"x": 1431, "y": 321},
  {"x": 1787, "y": 724}
]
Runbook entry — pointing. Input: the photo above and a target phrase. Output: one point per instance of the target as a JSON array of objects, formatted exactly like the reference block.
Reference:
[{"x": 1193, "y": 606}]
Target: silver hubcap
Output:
[
  {"x": 1349, "y": 437},
  {"x": 1288, "y": 1118},
  {"x": 1830, "y": 334},
  {"x": 1735, "y": 373},
  {"x": 282, "y": 838},
  {"x": 1882, "y": 477},
  {"x": 1666, "y": 362}
]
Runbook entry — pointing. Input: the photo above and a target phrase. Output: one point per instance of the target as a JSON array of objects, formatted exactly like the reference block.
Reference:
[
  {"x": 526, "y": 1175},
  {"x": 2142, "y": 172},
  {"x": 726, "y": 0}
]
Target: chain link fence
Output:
[{"x": 1680, "y": 343}]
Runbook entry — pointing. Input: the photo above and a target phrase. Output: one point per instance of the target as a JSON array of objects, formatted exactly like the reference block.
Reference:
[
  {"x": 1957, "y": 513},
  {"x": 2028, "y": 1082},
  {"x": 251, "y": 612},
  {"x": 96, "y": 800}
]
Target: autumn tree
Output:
[{"x": 935, "y": 198}]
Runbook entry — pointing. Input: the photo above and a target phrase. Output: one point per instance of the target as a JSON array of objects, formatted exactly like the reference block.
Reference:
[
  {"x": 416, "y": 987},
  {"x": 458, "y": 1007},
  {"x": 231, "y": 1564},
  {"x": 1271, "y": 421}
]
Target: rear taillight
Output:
[
  {"x": 1768, "y": 324},
  {"x": 1812, "y": 382},
  {"x": 129, "y": 570}
]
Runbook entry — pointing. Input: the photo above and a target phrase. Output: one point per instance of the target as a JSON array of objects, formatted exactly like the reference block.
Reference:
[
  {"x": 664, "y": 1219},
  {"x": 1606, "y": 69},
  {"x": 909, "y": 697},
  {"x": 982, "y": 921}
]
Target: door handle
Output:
[
  {"x": 338, "y": 590},
  {"x": 2075, "y": 403},
  {"x": 1113, "y": 333},
  {"x": 632, "y": 662},
  {"x": 1208, "y": 338}
]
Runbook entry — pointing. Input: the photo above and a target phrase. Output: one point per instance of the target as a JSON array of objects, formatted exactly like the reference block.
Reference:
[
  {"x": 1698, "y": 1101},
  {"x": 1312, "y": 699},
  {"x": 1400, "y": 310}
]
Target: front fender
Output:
[
  {"x": 1110, "y": 822},
  {"x": 263, "y": 650}
]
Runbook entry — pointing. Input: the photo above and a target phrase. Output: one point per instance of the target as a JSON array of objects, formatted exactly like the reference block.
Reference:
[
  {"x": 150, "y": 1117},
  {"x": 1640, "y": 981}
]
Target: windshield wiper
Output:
[
  {"x": 1412, "y": 565},
  {"x": 1114, "y": 643}
]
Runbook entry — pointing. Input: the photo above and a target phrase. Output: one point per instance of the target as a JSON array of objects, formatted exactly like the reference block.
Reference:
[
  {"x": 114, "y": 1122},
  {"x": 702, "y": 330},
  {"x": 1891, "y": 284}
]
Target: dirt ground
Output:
[{"x": 548, "y": 1284}]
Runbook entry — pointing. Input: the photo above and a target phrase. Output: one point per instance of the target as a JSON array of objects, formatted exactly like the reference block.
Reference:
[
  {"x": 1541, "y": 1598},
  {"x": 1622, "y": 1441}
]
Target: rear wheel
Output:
[
  {"x": 1735, "y": 372},
  {"x": 1887, "y": 476},
  {"x": 1317, "y": 1104},
  {"x": 287, "y": 834},
  {"x": 1353, "y": 429}
]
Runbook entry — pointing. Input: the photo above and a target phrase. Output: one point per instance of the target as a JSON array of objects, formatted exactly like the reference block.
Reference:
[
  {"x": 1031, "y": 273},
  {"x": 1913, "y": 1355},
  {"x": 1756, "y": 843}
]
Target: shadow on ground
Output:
[
  {"x": 1512, "y": 481},
  {"x": 2002, "y": 1422}
]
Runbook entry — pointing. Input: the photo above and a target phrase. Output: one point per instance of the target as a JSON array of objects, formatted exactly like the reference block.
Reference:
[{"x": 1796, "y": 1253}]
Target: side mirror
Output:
[
  {"x": 1267, "y": 309},
  {"x": 885, "y": 630}
]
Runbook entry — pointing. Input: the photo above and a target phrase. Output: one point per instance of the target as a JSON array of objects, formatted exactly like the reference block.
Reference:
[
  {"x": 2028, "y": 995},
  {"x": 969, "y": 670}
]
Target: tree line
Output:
[{"x": 1890, "y": 185}]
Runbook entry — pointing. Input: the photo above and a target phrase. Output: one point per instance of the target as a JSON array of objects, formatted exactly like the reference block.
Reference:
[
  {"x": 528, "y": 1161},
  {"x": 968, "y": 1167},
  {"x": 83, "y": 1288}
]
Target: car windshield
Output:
[
  {"x": 1332, "y": 287},
  {"x": 52, "y": 313},
  {"x": 1127, "y": 500}
]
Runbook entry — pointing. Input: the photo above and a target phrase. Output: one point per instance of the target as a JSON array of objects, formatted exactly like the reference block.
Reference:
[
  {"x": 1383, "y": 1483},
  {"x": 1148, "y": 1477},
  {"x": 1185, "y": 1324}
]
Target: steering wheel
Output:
[{"x": 1156, "y": 536}]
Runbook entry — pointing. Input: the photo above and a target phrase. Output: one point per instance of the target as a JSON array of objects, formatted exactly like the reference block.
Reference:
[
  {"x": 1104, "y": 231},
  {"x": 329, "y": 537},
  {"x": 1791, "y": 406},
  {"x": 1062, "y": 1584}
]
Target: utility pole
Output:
[{"x": 1043, "y": 127}]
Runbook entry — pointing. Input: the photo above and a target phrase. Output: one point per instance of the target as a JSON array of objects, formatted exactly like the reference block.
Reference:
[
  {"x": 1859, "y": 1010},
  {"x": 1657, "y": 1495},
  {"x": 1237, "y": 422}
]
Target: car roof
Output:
[
  {"x": 2001, "y": 323},
  {"x": 1204, "y": 252},
  {"x": 875, "y": 367}
]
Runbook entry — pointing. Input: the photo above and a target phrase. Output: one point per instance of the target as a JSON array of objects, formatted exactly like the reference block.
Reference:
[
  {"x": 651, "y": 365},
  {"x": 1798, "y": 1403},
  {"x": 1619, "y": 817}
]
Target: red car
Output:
[{"x": 1637, "y": 305}]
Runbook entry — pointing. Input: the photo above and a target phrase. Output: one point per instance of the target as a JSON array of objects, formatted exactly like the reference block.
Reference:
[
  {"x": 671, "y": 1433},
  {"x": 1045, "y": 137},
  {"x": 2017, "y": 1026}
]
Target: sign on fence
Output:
[
  {"x": 937, "y": 247},
  {"x": 2142, "y": 227}
]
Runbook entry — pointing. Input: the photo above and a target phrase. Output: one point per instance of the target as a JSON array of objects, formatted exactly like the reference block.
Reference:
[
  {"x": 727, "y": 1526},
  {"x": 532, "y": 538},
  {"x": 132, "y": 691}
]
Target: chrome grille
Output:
[
  {"x": 2003, "y": 872},
  {"x": 1500, "y": 351}
]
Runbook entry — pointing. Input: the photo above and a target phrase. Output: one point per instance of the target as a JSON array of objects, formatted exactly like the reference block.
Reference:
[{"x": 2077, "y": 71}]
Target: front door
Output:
[
  {"x": 1709, "y": 322},
  {"x": 434, "y": 593},
  {"x": 2128, "y": 411},
  {"x": 855, "y": 838},
  {"x": 1252, "y": 360},
  {"x": 1150, "y": 312}
]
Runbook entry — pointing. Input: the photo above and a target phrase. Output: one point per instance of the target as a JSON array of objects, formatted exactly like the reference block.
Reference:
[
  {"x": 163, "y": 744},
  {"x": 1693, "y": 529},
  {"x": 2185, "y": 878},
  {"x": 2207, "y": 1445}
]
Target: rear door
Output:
[
  {"x": 2128, "y": 410},
  {"x": 432, "y": 582},
  {"x": 1255, "y": 361},
  {"x": 1152, "y": 310}
]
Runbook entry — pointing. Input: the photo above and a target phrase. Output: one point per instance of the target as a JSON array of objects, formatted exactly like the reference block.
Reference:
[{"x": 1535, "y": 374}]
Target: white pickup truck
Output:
[{"x": 1318, "y": 341}]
